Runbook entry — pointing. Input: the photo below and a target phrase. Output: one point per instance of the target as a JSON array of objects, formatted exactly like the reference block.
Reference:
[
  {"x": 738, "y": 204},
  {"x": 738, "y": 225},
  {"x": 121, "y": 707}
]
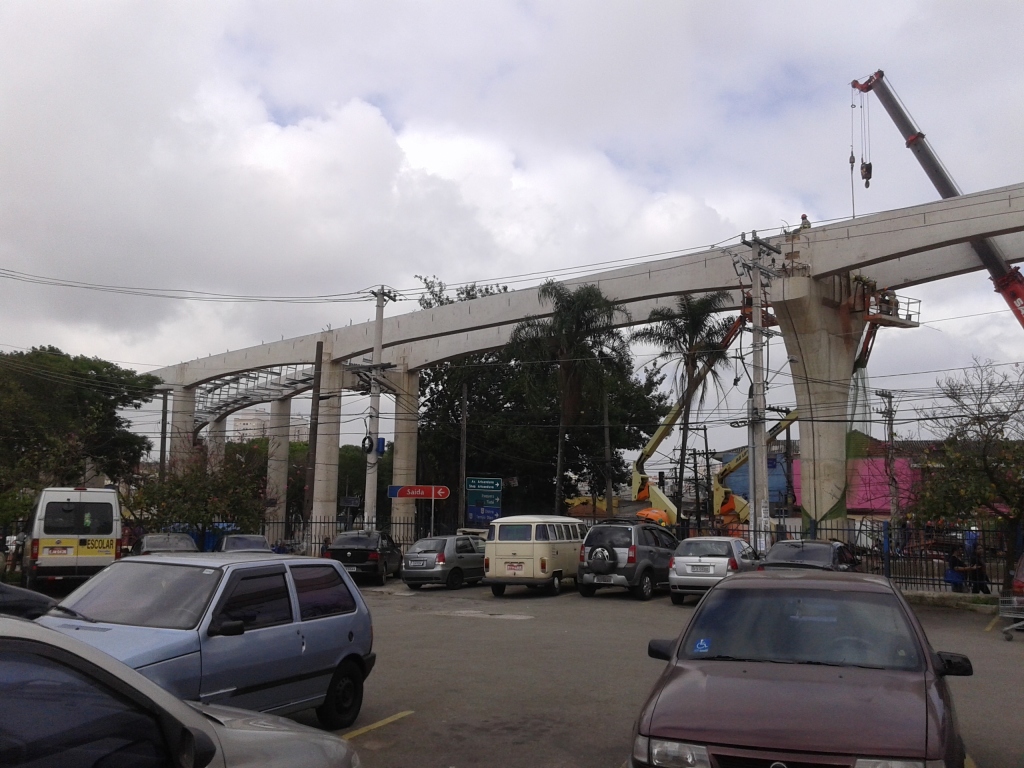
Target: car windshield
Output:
[
  {"x": 357, "y": 541},
  {"x": 427, "y": 545},
  {"x": 245, "y": 542},
  {"x": 616, "y": 536},
  {"x": 797, "y": 552},
  {"x": 144, "y": 593},
  {"x": 704, "y": 548},
  {"x": 803, "y": 626},
  {"x": 171, "y": 542}
]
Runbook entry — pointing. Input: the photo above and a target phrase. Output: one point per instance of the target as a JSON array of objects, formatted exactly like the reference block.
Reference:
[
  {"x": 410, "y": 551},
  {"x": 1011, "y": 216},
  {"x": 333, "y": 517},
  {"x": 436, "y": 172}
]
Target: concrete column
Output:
[
  {"x": 325, "y": 488},
  {"x": 278, "y": 432},
  {"x": 183, "y": 416},
  {"x": 216, "y": 433},
  {"x": 822, "y": 323},
  {"x": 407, "y": 406}
]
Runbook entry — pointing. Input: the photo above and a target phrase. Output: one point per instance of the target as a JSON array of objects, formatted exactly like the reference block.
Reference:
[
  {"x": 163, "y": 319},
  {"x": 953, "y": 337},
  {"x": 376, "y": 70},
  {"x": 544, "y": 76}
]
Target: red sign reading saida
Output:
[{"x": 423, "y": 492}]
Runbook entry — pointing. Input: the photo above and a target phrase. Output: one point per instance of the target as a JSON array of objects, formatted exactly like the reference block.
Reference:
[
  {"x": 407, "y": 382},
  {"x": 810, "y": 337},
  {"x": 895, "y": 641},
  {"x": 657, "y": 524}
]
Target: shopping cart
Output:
[{"x": 1012, "y": 608}]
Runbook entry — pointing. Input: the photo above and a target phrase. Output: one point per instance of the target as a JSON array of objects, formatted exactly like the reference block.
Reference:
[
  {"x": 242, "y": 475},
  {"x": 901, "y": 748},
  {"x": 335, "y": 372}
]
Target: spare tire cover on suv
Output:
[{"x": 602, "y": 559}]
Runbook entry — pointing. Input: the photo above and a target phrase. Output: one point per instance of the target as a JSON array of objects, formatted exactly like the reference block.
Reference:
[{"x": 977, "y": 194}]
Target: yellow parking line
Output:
[
  {"x": 992, "y": 624},
  {"x": 968, "y": 763},
  {"x": 380, "y": 723}
]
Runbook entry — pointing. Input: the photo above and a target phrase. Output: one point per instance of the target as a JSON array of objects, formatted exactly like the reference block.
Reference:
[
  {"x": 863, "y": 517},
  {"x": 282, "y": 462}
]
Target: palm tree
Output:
[
  {"x": 690, "y": 334},
  {"x": 577, "y": 338}
]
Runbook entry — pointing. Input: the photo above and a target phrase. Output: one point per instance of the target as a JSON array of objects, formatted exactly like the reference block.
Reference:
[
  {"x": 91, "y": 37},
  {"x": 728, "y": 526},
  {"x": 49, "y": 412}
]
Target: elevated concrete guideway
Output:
[{"x": 895, "y": 249}]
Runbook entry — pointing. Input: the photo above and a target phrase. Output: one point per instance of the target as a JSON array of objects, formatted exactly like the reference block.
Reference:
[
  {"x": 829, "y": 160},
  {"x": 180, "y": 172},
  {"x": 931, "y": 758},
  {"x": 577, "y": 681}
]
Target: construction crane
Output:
[
  {"x": 1008, "y": 281},
  {"x": 662, "y": 509}
]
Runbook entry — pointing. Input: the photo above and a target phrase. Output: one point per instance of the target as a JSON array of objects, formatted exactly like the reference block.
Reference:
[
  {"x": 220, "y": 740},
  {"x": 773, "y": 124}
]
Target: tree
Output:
[
  {"x": 979, "y": 465},
  {"x": 578, "y": 340},
  {"x": 59, "y": 413},
  {"x": 690, "y": 334}
]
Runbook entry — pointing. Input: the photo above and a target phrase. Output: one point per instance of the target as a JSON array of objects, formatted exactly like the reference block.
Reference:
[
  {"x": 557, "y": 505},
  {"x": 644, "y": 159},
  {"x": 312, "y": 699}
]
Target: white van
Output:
[
  {"x": 533, "y": 551},
  {"x": 72, "y": 534}
]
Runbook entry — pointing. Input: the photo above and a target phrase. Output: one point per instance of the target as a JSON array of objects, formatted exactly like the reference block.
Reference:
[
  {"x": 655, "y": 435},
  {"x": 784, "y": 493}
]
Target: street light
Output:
[{"x": 163, "y": 389}]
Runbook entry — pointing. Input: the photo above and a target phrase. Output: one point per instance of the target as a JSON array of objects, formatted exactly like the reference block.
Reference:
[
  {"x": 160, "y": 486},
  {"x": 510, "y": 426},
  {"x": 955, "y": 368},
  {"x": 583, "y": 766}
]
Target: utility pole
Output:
[
  {"x": 759, "y": 279},
  {"x": 314, "y": 420},
  {"x": 608, "y": 490},
  {"x": 462, "y": 456},
  {"x": 707, "y": 479},
  {"x": 370, "y": 498},
  {"x": 163, "y": 389},
  {"x": 696, "y": 488},
  {"x": 890, "y": 450}
]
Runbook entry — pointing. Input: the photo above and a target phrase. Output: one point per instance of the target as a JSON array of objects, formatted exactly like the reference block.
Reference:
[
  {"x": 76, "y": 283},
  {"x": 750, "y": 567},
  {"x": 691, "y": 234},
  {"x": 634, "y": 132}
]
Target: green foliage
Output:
[{"x": 56, "y": 413}]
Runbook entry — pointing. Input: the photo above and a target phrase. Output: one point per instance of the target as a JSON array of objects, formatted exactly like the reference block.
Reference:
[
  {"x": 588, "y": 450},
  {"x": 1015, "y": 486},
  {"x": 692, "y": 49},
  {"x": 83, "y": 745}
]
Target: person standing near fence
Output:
[
  {"x": 979, "y": 574},
  {"x": 956, "y": 570}
]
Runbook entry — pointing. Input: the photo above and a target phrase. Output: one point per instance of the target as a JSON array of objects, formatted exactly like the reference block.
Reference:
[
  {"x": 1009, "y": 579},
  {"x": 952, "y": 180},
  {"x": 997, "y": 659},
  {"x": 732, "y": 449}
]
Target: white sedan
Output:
[{"x": 701, "y": 562}]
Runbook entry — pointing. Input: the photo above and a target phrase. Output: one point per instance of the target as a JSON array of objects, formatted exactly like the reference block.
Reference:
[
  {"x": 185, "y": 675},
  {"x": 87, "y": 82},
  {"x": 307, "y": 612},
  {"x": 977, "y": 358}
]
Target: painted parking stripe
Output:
[
  {"x": 968, "y": 763},
  {"x": 379, "y": 724},
  {"x": 992, "y": 624}
]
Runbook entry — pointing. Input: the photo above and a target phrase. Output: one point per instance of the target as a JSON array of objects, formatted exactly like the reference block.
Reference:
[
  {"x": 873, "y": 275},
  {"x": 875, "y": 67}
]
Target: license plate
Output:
[
  {"x": 350, "y": 568},
  {"x": 417, "y": 563},
  {"x": 56, "y": 550},
  {"x": 514, "y": 567},
  {"x": 603, "y": 579},
  {"x": 700, "y": 569}
]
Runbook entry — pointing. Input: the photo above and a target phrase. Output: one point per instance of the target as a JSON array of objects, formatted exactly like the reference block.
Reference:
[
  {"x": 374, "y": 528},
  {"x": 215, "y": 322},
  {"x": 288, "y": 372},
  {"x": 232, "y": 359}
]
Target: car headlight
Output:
[
  {"x": 871, "y": 762},
  {"x": 670, "y": 754}
]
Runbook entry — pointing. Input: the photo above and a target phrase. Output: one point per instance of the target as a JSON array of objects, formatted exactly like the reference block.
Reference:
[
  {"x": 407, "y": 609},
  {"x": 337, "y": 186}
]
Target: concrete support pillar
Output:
[
  {"x": 183, "y": 416},
  {"x": 278, "y": 432},
  {"x": 325, "y": 488},
  {"x": 822, "y": 323},
  {"x": 407, "y": 407},
  {"x": 216, "y": 434}
]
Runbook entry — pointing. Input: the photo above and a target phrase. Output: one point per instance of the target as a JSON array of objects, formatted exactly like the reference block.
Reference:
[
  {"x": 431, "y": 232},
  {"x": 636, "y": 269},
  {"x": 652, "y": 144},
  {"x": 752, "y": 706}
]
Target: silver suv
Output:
[{"x": 625, "y": 553}]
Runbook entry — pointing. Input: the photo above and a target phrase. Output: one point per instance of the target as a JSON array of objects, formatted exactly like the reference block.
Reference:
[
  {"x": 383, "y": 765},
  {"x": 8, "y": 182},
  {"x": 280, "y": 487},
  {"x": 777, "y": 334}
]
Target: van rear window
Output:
[
  {"x": 78, "y": 518},
  {"x": 515, "y": 532}
]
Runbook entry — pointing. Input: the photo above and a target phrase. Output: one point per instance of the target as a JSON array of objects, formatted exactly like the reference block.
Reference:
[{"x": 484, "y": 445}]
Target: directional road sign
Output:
[
  {"x": 483, "y": 483},
  {"x": 418, "y": 491}
]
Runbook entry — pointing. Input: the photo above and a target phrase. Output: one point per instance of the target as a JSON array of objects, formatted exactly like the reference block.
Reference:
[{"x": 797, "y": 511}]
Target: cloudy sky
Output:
[{"x": 309, "y": 148}]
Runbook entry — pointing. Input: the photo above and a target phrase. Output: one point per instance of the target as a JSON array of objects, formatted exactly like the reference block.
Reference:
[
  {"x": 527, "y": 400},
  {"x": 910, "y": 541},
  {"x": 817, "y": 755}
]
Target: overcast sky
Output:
[{"x": 308, "y": 148}]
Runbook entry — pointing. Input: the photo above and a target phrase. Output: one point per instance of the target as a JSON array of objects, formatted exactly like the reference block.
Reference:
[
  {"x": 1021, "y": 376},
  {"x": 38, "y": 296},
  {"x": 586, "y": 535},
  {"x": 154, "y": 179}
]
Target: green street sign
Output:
[{"x": 483, "y": 484}]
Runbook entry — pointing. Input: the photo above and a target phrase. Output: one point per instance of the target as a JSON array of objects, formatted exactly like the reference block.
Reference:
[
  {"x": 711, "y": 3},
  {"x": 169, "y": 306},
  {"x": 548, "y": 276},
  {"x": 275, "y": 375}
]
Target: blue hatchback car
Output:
[{"x": 272, "y": 633}]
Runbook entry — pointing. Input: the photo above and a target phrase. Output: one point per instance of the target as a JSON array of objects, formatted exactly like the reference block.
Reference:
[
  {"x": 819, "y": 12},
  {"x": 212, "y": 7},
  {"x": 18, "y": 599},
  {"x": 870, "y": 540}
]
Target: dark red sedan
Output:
[{"x": 799, "y": 669}]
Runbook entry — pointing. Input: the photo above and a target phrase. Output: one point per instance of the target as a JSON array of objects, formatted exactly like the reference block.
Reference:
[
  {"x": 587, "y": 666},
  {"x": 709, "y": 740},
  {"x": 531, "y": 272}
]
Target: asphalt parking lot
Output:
[{"x": 464, "y": 679}]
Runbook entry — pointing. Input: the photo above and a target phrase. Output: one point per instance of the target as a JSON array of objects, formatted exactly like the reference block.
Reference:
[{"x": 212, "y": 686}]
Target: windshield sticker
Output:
[
  {"x": 702, "y": 646},
  {"x": 207, "y": 571}
]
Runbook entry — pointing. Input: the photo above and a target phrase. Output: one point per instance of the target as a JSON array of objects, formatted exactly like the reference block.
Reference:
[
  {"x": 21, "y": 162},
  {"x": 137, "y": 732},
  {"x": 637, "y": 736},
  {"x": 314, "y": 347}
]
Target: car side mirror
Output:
[
  {"x": 196, "y": 744},
  {"x": 955, "y": 665},
  {"x": 227, "y": 628},
  {"x": 660, "y": 649}
]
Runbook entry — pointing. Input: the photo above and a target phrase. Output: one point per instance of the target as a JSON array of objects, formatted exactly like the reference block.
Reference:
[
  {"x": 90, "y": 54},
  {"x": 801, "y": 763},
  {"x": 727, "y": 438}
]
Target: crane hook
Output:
[{"x": 865, "y": 173}]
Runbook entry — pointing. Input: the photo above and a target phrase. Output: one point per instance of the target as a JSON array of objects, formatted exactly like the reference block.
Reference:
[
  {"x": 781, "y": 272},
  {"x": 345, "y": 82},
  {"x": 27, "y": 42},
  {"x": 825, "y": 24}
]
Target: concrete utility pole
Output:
[
  {"x": 890, "y": 450},
  {"x": 314, "y": 420},
  {"x": 608, "y": 490},
  {"x": 163, "y": 389},
  {"x": 759, "y": 507},
  {"x": 370, "y": 497},
  {"x": 462, "y": 456}
]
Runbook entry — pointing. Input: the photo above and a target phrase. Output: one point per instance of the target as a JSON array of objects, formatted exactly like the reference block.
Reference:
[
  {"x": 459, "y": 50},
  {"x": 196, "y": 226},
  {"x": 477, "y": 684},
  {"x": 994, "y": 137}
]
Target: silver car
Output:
[
  {"x": 701, "y": 562},
  {"x": 63, "y": 702},
  {"x": 272, "y": 633},
  {"x": 449, "y": 560}
]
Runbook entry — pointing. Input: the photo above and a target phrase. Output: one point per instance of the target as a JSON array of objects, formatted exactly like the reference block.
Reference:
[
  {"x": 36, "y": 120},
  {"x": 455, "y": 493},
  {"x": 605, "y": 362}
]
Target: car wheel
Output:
[
  {"x": 644, "y": 588},
  {"x": 556, "y": 585},
  {"x": 382, "y": 578},
  {"x": 497, "y": 590},
  {"x": 413, "y": 586},
  {"x": 678, "y": 599},
  {"x": 454, "y": 580},
  {"x": 344, "y": 698},
  {"x": 587, "y": 590}
]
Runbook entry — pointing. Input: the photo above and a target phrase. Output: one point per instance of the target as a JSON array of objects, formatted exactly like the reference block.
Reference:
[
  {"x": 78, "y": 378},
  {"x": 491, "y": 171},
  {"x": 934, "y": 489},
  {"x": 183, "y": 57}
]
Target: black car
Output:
[
  {"x": 15, "y": 601},
  {"x": 812, "y": 553},
  {"x": 368, "y": 553}
]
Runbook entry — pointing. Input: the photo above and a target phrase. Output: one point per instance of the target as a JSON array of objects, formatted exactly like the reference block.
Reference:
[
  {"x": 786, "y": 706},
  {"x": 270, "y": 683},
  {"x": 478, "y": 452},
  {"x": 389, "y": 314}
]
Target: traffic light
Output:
[{"x": 661, "y": 479}]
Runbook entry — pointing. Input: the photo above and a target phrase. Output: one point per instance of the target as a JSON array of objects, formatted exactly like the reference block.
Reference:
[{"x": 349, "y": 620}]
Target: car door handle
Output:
[{"x": 461, "y": 556}]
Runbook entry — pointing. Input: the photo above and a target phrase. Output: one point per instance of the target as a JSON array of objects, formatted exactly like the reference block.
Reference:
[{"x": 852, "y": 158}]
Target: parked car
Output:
[
  {"x": 700, "y": 562},
  {"x": 368, "y": 553},
  {"x": 243, "y": 542},
  {"x": 768, "y": 660},
  {"x": 67, "y": 703},
  {"x": 273, "y": 633},
  {"x": 163, "y": 542},
  {"x": 534, "y": 551},
  {"x": 812, "y": 553},
  {"x": 448, "y": 560},
  {"x": 625, "y": 553},
  {"x": 71, "y": 534},
  {"x": 15, "y": 601}
]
